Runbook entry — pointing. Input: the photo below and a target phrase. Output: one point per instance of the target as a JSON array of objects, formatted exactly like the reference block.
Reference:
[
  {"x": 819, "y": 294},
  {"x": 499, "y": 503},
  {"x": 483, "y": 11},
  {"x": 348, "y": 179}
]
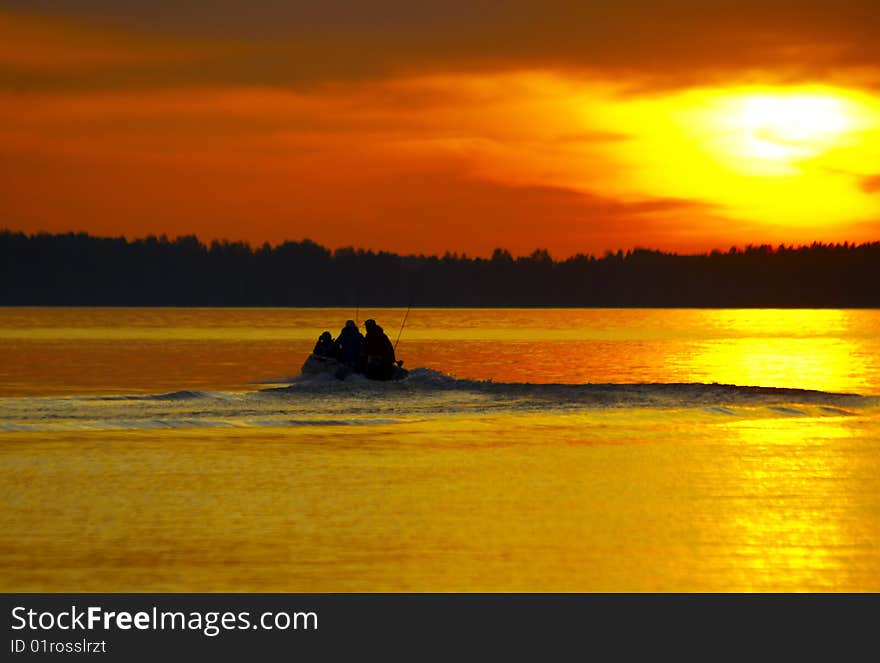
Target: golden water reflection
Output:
[
  {"x": 799, "y": 508},
  {"x": 810, "y": 349},
  {"x": 74, "y": 351},
  {"x": 825, "y": 364},
  {"x": 769, "y": 498},
  {"x": 635, "y": 500}
]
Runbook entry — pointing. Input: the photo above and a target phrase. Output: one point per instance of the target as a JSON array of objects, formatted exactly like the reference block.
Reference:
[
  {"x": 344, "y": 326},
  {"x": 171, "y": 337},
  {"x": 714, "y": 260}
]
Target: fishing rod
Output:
[
  {"x": 402, "y": 324},
  {"x": 412, "y": 299}
]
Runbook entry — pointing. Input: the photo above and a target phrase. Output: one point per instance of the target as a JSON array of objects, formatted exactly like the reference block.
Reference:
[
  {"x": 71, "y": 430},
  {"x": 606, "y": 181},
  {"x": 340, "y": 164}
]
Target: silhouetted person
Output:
[
  {"x": 349, "y": 344},
  {"x": 377, "y": 354},
  {"x": 325, "y": 347}
]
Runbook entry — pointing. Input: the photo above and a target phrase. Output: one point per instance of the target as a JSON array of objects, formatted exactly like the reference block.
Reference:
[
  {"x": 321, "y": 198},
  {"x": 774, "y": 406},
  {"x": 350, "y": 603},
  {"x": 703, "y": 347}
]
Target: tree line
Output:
[{"x": 77, "y": 269}]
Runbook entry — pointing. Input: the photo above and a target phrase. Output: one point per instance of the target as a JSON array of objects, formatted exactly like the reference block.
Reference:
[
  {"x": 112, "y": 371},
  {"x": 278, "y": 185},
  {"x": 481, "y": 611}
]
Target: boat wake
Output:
[
  {"x": 322, "y": 400},
  {"x": 426, "y": 380}
]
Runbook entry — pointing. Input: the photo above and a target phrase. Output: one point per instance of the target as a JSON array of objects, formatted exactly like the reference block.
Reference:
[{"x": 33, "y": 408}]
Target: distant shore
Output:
[{"x": 77, "y": 269}]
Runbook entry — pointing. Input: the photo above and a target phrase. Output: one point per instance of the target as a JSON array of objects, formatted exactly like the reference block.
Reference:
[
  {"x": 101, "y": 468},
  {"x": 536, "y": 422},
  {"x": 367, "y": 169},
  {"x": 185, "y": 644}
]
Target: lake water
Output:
[{"x": 528, "y": 450}]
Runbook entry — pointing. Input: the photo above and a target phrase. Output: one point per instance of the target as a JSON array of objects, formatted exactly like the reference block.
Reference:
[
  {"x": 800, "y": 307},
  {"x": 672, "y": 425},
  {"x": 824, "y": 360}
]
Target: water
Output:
[{"x": 533, "y": 450}]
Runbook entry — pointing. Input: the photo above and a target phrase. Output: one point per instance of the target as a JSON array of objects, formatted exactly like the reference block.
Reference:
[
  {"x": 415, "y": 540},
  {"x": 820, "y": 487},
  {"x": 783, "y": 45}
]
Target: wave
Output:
[
  {"x": 170, "y": 396},
  {"x": 322, "y": 401},
  {"x": 175, "y": 424},
  {"x": 620, "y": 394}
]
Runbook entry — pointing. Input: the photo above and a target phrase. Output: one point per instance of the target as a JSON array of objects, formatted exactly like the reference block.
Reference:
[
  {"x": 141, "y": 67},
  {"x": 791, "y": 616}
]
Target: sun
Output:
[
  {"x": 777, "y": 132},
  {"x": 790, "y": 127},
  {"x": 782, "y": 159}
]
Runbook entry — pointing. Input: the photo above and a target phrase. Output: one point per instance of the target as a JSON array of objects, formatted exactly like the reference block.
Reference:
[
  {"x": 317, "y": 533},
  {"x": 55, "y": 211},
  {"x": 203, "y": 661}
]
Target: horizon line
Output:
[{"x": 463, "y": 255}]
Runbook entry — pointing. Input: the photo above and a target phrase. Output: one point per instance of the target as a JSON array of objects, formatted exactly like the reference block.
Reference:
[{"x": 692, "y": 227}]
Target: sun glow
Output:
[
  {"x": 781, "y": 133},
  {"x": 791, "y": 127},
  {"x": 760, "y": 132},
  {"x": 785, "y": 162}
]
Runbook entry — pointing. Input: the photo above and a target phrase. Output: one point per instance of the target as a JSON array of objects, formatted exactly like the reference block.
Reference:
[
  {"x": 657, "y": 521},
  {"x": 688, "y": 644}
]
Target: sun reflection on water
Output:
[
  {"x": 798, "y": 349},
  {"x": 790, "y": 501},
  {"x": 151, "y": 350}
]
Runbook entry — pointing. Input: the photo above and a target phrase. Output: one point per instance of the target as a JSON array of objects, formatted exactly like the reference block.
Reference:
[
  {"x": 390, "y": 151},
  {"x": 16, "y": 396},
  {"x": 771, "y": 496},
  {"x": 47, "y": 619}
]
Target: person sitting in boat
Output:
[
  {"x": 349, "y": 344},
  {"x": 325, "y": 347},
  {"x": 377, "y": 354}
]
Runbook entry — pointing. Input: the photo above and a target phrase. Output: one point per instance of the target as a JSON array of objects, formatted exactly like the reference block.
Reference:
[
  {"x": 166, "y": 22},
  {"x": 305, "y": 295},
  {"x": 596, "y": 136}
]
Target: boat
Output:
[{"x": 317, "y": 365}]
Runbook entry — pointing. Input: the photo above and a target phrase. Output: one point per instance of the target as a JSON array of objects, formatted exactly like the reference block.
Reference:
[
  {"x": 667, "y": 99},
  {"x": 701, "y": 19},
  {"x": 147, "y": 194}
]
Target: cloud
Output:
[
  {"x": 255, "y": 187},
  {"x": 640, "y": 43},
  {"x": 871, "y": 184},
  {"x": 51, "y": 46},
  {"x": 455, "y": 211},
  {"x": 396, "y": 125}
]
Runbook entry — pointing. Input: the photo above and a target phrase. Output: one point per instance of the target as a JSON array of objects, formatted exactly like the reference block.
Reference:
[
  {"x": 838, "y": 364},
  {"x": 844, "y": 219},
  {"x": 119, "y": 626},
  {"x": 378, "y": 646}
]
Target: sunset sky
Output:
[{"x": 432, "y": 126}]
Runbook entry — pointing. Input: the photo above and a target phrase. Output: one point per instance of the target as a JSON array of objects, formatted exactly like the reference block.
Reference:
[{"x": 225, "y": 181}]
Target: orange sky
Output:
[{"x": 434, "y": 126}]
